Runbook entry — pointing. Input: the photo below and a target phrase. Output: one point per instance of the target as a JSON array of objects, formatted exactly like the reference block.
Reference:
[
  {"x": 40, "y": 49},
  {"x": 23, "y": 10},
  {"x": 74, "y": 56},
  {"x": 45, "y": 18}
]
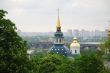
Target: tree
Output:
[
  {"x": 67, "y": 67},
  {"x": 49, "y": 63},
  {"x": 13, "y": 50},
  {"x": 89, "y": 63},
  {"x": 105, "y": 49},
  {"x": 107, "y": 43}
]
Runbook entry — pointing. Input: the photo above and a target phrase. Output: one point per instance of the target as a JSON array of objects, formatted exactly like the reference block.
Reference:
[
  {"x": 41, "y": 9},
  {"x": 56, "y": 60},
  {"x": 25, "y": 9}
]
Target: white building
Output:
[{"x": 75, "y": 46}]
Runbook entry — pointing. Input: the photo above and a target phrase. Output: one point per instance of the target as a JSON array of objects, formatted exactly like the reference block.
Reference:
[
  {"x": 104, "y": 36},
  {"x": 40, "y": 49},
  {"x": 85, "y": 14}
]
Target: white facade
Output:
[
  {"x": 75, "y": 50},
  {"x": 59, "y": 41},
  {"x": 75, "y": 46}
]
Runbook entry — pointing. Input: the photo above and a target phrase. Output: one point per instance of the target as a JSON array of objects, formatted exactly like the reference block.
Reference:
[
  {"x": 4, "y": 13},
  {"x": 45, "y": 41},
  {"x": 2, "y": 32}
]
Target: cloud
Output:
[{"x": 74, "y": 14}]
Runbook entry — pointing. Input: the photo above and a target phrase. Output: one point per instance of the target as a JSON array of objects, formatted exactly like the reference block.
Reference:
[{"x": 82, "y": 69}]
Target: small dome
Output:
[
  {"x": 108, "y": 32},
  {"x": 109, "y": 29},
  {"x": 75, "y": 38},
  {"x": 75, "y": 43}
]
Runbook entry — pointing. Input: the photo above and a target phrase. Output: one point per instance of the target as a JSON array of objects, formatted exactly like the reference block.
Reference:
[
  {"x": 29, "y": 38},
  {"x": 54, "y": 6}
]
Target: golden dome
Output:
[
  {"x": 109, "y": 32},
  {"x": 75, "y": 43}
]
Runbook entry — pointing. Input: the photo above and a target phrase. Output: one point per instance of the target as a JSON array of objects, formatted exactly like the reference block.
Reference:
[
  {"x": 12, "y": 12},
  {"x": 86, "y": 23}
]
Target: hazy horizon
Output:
[{"x": 41, "y": 15}]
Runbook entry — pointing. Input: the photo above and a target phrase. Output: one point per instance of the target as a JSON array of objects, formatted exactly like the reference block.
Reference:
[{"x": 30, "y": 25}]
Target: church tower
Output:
[
  {"x": 59, "y": 47},
  {"x": 75, "y": 46},
  {"x": 59, "y": 38}
]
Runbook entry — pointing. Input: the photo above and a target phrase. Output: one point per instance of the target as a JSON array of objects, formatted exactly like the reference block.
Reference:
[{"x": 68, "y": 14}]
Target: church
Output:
[
  {"x": 75, "y": 46},
  {"x": 59, "y": 46}
]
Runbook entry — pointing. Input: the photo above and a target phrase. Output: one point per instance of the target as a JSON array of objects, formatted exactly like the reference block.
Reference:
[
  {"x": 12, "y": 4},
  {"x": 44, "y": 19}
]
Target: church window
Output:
[
  {"x": 75, "y": 51},
  {"x": 57, "y": 40},
  {"x": 60, "y": 40}
]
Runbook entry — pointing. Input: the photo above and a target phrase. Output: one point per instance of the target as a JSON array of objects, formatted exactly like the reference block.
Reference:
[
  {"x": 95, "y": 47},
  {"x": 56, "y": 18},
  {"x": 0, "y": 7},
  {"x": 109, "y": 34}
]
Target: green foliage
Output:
[
  {"x": 45, "y": 64},
  {"x": 13, "y": 56},
  {"x": 89, "y": 63},
  {"x": 106, "y": 49},
  {"x": 67, "y": 67},
  {"x": 106, "y": 71},
  {"x": 107, "y": 43},
  {"x": 2, "y": 13},
  {"x": 52, "y": 63}
]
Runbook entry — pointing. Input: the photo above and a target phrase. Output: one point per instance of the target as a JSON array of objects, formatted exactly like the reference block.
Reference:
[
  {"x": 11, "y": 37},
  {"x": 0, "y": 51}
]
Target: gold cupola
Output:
[
  {"x": 109, "y": 32},
  {"x": 75, "y": 43}
]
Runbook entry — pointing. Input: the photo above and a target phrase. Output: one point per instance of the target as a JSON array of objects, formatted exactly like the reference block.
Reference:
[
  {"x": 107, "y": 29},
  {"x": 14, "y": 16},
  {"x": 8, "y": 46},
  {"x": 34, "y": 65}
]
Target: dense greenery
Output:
[
  {"x": 105, "y": 49},
  {"x": 88, "y": 62},
  {"x": 53, "y": 63},
  {"x": 14, "y": 59},
  {"x": 13, "y": 56}
]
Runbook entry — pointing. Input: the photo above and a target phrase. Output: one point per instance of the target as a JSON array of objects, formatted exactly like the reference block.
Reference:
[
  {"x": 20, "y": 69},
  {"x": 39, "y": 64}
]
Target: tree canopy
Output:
[
  {"x": 14, "y": 59},
  {"x": 13, "y": 50}
]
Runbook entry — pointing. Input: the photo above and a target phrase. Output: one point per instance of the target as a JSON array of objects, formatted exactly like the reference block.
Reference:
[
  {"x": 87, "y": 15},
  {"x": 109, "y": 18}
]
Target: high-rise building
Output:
[
  {"x": 76, "y": 33},
  {"x": 69, "y": 32}
]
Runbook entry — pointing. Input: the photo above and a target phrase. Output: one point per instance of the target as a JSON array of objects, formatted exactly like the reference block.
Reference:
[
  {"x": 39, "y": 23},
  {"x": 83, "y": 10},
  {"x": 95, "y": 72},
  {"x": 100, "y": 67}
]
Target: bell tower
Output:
[{"x": 59, "y": 39}]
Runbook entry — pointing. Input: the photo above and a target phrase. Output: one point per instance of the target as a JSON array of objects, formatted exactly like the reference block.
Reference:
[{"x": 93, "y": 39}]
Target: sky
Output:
[{"x": 41, "y": 15}]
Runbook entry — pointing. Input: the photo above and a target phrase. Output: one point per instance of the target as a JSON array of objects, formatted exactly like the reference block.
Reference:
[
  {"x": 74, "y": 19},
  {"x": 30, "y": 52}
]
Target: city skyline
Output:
[{"x": 41, "y": 15}]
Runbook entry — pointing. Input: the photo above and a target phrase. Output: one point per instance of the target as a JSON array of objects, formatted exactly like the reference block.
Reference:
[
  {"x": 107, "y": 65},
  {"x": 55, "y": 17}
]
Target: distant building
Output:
[
  {"x": 75, "y": 46},
  {"x": 69, "y": 32},
  {"x": 105, "y": 32},
  {"x": 59, "y": 47},
  {"x": 76, "y": 33}
]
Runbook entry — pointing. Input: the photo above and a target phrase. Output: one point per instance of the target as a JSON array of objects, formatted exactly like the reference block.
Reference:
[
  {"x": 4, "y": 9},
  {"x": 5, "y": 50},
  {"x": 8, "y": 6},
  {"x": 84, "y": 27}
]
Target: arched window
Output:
[
  {"x": 59, "y": 40},
  {"x": 56, "y": 40},
  {"x": 75, "y": 51}
]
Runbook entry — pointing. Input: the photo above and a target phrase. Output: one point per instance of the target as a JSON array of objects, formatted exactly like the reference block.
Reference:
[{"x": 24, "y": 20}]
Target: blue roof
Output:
[{"x": 60, "y": 49}]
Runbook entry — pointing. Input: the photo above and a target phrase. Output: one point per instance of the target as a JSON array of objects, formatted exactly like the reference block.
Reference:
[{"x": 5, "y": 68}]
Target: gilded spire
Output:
[
  {"x": 58, "y": 21},
  {"x": 109, "y": 32}
]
